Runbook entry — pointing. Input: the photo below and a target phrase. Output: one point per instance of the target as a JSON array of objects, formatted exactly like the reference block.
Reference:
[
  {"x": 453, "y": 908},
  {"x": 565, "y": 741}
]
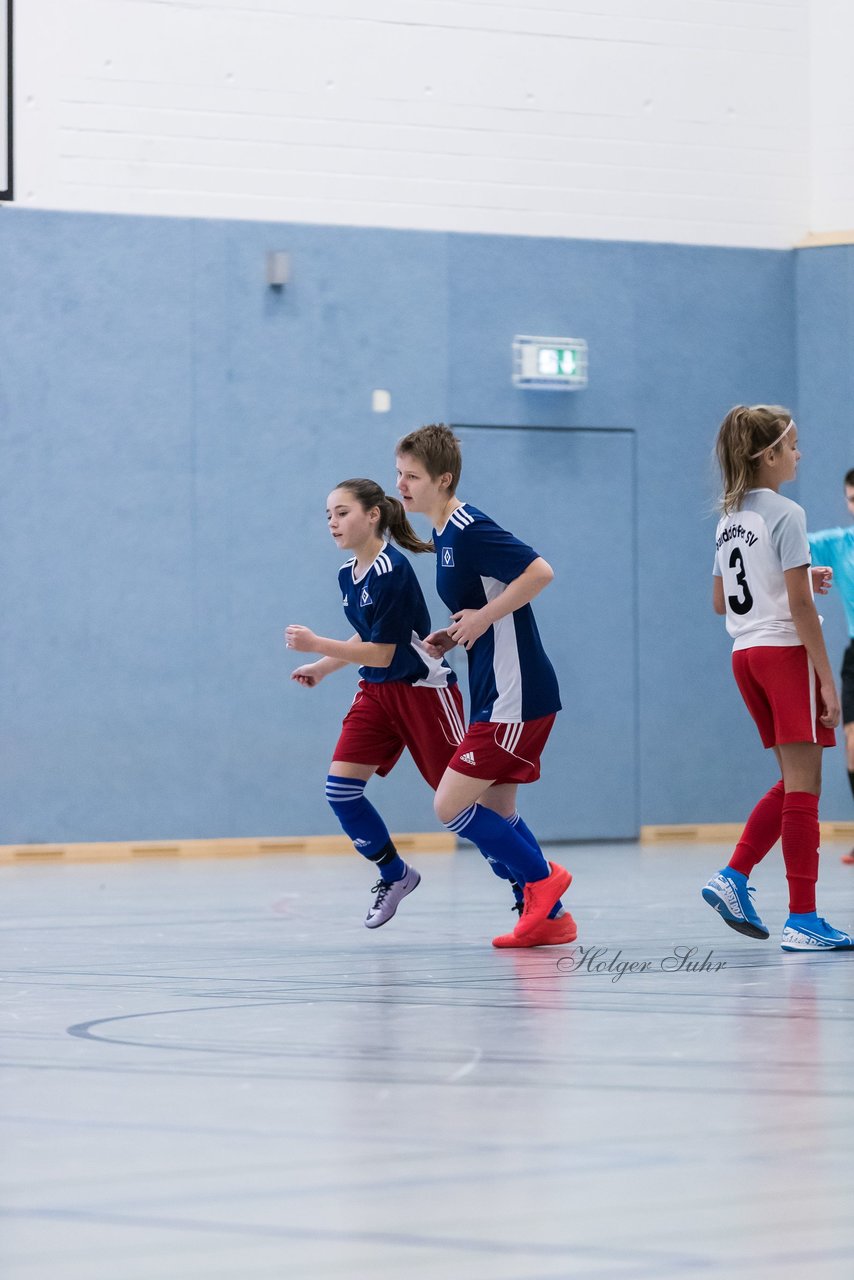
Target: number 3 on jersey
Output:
[{"x": 742, "y": 603}]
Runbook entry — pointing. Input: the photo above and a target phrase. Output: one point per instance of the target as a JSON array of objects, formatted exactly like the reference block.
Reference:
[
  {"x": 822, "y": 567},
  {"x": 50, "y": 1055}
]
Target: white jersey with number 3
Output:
[{"x": 754, "y": 547}]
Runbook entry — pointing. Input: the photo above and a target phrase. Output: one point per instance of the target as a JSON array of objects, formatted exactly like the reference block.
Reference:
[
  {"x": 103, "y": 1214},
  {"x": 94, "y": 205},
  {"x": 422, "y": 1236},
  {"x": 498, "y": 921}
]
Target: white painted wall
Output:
[
  {"x": 668, "y": 120},
  {"x": 5, "y": 174},
  {"x": 832, "y": 115}
]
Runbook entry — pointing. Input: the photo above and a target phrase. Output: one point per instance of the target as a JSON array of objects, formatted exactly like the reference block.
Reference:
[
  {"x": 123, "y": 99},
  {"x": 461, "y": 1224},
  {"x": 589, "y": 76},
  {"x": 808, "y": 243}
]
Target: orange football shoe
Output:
[
  {"x": 849, "y": 858},
  {"x": 540, "y": 897},
  {"x": 549, "y": 933}
]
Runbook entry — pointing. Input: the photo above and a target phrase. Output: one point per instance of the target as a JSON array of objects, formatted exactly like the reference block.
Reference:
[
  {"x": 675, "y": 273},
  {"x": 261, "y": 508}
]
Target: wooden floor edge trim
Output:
[
  {"x": 140, "y": 850},
  {"x": 726, "y": 831},
  {"x": 407, "y": 842},
  {"x": 825, "y": 239}
]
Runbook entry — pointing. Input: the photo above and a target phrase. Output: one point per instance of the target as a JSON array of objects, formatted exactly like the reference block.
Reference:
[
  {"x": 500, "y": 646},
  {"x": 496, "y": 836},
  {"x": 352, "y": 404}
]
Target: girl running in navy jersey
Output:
[
  {"x": 762, "y": 584},
  {"x": 407, "y": 696},
  {"x": 487, "y": 578}
]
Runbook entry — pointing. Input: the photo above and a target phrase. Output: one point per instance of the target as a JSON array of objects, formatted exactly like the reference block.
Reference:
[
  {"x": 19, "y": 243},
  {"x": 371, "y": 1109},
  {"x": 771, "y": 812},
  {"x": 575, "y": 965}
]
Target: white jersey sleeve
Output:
[{"x": 754, "y": 547}]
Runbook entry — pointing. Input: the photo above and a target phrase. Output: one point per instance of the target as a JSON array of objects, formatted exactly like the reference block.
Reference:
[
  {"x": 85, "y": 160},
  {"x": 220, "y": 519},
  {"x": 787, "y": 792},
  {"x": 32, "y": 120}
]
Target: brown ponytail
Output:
[
  {"x": 744, "y": 435},
  {"x": 393, "y": 521},
  {"x": 400, "y": 529}
]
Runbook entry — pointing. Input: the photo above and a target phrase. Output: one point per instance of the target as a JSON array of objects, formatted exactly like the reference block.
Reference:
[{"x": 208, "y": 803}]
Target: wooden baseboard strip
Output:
[
  {"x": 825, "y": 239},
  {"x": 837, "y": 830},
  {"x": 419, "y": 842},
  {"x": 727, "y": 832},
  {"x": 127, "y": 851}
]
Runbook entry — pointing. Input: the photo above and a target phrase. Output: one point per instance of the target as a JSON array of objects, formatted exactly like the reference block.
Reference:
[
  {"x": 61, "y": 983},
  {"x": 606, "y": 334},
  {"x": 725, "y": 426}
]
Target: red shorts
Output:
[
  {"x": 385, "y": 718},
  {"x": 503, "y": 752},
  {"x": 781, "y": 690}
]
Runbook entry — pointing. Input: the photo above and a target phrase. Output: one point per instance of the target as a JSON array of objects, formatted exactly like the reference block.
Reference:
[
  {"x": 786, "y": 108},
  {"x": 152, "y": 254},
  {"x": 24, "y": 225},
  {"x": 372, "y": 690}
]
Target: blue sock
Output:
[
  {"x": 361, "y": 822},
  {"x": 390, "y": 864},
  {"x": 503, "y": 873},
  {"x": 527, "y": 834},
  {"x": 496, "y": 839}
]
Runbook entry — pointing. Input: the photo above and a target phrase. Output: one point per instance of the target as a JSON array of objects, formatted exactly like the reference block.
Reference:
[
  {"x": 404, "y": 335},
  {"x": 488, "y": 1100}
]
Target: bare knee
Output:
[
  {"x": 801, "y": 764},
  {"x": 443, "y": 810},
  {"x": 498, "y": 805},
  {"x": 500, "y": 798},
  {"x": 456, "y": 793},
  {"x": 804, "y": 780}
]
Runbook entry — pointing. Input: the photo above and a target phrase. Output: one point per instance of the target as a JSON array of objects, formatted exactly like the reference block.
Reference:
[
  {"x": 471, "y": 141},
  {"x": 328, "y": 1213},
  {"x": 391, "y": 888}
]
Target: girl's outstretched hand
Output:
[
  {"x": 308, "y": 676},
  {"x": 822, "y": 579},
  {"x": 831, "y": 713},
  {"x": 438, "y": 643},
  {"x": 300, "y": 638},
  {"x": 467, "y": 625}
]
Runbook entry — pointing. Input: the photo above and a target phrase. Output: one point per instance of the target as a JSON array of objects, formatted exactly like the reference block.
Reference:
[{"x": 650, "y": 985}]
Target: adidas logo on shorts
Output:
[{"x": 467, "y": 757}]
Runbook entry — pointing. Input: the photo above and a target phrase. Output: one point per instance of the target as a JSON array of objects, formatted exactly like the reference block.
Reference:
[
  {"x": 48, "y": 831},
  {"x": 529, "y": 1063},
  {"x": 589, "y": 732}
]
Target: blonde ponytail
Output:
[{"x": 745, "y": 434}]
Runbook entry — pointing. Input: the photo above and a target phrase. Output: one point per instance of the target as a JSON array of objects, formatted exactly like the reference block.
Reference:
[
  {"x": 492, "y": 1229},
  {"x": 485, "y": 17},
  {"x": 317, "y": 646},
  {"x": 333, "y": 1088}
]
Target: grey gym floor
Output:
[{"x": 213, "y": 1071}]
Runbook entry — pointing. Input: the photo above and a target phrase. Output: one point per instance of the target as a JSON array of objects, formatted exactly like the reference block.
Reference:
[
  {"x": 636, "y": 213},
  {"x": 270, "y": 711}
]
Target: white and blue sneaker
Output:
[
  {"x": 389, "y": 895},
  {"x": 729, "y": 894},
  {"x": 810, "y": 933}
]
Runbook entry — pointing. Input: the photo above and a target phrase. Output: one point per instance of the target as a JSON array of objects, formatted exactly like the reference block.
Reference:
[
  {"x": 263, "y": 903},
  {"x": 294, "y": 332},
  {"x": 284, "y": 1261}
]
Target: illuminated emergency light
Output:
[{"x": 549, "y": 364}]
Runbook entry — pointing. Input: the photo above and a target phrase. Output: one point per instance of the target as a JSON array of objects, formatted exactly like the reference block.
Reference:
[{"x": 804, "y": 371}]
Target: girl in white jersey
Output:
[{"x": 762, "y": 584}]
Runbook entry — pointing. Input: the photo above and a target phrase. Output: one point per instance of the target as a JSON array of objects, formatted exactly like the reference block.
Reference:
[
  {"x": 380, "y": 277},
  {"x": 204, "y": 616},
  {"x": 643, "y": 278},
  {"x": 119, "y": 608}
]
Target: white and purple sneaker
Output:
[{"x": 389, "y": 894}]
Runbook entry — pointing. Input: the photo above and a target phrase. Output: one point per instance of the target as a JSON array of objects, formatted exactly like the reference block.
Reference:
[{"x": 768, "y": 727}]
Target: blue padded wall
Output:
[
  {"x": 170, "y": 430},
  {"x": 825, "y": 335}
]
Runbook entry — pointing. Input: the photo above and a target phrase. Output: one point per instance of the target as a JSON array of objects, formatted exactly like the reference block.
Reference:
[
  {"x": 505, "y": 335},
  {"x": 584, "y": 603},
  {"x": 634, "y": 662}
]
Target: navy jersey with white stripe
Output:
[
  {"x": 386, "y": 606},
  {"x": 510, "y": 676}
]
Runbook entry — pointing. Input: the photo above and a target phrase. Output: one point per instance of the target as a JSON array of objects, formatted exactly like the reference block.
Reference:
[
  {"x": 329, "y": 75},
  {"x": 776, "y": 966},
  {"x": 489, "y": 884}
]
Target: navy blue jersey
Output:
[
  {"x": 510, "y": 677},
  {"x": 386, "y": 606}
]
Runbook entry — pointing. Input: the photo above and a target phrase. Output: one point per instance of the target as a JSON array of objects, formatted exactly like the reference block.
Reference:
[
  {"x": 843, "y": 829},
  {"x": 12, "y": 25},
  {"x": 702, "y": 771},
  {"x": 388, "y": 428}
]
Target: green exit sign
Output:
[{"x": 549, "y": 364}]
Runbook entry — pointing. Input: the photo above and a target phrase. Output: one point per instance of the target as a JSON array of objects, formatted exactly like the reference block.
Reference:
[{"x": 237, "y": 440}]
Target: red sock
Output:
[
  {"x": 761, "y": 832},
  {"x": 800, "y": 849}
]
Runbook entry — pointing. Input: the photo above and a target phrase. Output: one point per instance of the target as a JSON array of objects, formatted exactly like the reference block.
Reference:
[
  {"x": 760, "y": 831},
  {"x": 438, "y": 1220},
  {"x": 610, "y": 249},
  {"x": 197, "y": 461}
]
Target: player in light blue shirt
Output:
[{"x": 835, "y": 548}]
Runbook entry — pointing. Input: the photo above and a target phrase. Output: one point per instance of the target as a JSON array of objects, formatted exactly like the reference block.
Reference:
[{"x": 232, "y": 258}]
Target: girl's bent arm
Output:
[
  {"x": 325, "y": 666},
  {"x": 313, "y": 672},
  {"x": 808, "y": 627},
  {"x": 521, "y": 590},
  {"x": 718, "y": 602},
  {"x": 469, "y": 624},
  {"x": 363, "y": 653},
  {"x": 438, "y": 643}
]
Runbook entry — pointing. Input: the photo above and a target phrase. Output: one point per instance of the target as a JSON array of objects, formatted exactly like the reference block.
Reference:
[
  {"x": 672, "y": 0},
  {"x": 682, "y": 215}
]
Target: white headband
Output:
[{"x": 773, "y": 444}]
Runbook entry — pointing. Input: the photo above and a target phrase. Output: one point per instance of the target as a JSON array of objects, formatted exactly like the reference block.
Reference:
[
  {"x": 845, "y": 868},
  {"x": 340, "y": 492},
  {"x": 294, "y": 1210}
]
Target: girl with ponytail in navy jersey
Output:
[
  {"x": 487, "y": 578},
  {"x": 407, "y": 698}
]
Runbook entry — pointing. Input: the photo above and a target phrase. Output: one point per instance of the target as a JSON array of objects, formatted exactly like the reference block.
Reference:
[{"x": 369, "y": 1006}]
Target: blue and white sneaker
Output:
[
  {"x": 729, "y": 894},
  {"x": 811, "y": 933}
]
